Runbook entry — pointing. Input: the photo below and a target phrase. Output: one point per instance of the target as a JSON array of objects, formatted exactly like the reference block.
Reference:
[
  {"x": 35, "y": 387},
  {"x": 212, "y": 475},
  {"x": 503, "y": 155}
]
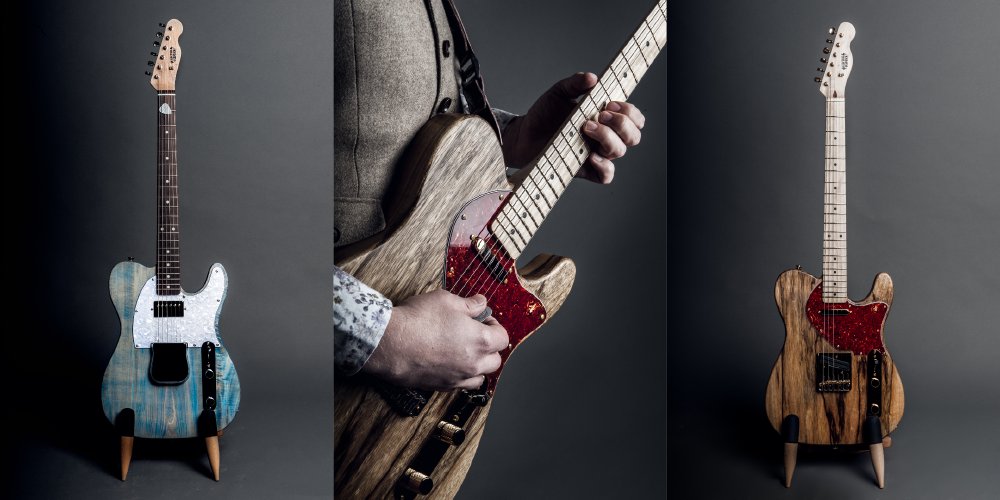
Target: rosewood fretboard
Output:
[
  {"x": 566, "y": 153},
  {"x": 168, "y": 253}
]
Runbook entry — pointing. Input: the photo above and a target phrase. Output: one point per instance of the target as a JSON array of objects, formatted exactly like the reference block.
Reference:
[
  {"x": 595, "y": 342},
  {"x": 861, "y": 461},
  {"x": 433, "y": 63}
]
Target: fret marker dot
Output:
[
  {"x": 166, "y": 157},
  {"x": 168, "y": 202},
  {"x": 173, "y": 229},
  {"x": 167, "y": 132}
]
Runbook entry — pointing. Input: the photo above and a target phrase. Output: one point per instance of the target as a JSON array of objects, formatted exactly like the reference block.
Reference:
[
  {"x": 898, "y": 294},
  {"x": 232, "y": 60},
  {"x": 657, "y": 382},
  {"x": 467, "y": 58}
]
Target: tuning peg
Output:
[
  {"x": 819, "y": 69},
  {"x": 829, "y": 41},
  {"x": 823, "y": 60},
  {"x": 163, "y": 25},
  {"x": 159, "y": 34},
  {"x": 817, "y": 79},
  {"x": 149, "y": 63},
  {"x": 157, "y": 43},
  {"x": 826, "y": 50},
  {"x": 148, "y": 73},
  {"x": 832, "y": 30}
]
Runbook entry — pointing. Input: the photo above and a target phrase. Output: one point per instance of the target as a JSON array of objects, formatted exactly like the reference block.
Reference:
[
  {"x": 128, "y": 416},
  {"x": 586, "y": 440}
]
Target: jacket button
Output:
[
  {"x": 445, "y": 105},
  {"x": 446, "y": 48}
]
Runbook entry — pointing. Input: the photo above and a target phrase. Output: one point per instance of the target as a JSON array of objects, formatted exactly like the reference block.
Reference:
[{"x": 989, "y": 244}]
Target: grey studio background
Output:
[
  {"x": 745, "y": 194},
  {"x": 556, "y": 426},
  {"x": 255, "y": 128}
]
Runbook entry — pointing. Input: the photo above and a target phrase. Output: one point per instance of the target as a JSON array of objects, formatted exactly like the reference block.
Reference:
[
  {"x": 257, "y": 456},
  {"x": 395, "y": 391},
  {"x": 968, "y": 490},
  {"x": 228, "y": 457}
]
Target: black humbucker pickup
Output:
[{"x": 168, "y": 309}]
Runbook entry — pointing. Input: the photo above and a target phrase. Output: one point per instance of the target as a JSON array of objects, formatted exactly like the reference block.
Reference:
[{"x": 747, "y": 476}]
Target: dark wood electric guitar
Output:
[
  {"x": 459, "y": 223},
  {"x": 834, "y": 382},
  {"x": 170, "y": 376}
]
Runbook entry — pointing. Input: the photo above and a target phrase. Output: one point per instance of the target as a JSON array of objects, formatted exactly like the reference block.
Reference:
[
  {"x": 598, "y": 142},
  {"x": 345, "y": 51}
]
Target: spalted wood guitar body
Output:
[
  {"x": 451, "y": 183},
  {"x": 834, "y": 416},
  {"x": 165, "y": 411}
]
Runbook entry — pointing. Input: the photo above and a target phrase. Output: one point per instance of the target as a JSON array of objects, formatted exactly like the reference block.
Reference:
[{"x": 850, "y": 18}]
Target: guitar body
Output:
[
  {"x": 451, "y": 183},
  {"x": 831, "y": 418},
  {"x": 166, "y": 411}
]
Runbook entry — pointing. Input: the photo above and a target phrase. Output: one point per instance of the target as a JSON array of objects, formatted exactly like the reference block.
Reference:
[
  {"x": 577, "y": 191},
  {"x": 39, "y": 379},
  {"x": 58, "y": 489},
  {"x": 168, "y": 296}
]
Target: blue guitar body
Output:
[{"x": 166, "y": 411}]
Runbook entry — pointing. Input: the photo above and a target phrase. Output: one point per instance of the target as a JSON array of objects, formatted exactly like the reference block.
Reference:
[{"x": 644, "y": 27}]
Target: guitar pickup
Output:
[
  {"x": 490, "y": 260},
  {"x": 834, "y": 372},
  {"x": 168, "y": 309},
  {"x": 834, "y": 312}
]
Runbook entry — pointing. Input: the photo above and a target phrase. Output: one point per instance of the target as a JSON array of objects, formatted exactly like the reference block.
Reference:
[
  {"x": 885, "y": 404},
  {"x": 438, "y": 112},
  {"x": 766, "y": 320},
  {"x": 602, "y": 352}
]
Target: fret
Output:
[{"x": 564, "y": 155}]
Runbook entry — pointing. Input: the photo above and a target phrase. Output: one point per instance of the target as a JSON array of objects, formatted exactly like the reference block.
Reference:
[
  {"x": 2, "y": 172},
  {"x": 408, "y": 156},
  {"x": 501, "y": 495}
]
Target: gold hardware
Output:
[
  {"x": 450, "y": 433},
  {"x": 417, "y": 482}
]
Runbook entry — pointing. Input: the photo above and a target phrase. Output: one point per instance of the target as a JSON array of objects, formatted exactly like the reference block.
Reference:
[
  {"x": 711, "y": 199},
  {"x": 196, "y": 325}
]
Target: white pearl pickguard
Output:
[{"x": 201, "y": 311}]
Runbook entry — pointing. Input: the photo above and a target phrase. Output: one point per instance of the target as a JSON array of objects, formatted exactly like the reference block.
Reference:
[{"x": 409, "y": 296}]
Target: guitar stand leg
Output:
[
  {"x": 790, "y": 433},
  {"x": 873, "y": 436},
  {"x": 207, "y": 428},
  {"x": 125, "y": 425}
]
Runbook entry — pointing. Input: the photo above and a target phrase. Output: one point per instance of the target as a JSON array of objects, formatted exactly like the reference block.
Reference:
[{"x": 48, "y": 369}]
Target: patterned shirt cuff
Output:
[
  {"x": 503, "y": 118},
  {"x": 360, "y": 316}
]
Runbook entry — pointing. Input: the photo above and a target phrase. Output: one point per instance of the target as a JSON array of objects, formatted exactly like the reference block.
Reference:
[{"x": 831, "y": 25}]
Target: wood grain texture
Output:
[
  {"x": 160, "y": 411},
  {"x": 824, "y": 418},
  {"x": 452, "y": 159}
]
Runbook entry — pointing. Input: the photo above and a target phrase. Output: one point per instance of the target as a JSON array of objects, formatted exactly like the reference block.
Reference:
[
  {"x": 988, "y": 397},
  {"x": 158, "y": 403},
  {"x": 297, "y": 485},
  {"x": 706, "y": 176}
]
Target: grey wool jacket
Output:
[{"x": 394, "y": 67}]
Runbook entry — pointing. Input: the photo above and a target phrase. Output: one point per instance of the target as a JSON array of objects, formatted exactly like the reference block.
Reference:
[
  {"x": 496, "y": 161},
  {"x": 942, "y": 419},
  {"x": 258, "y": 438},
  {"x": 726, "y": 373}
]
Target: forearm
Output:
[{"x": 360, "y": 317}]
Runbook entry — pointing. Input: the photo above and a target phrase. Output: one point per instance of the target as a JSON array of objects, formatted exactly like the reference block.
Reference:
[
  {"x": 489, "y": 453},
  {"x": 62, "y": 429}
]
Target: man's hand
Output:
[
  {"x": 617, "y": 128},
  {"x": 433, "y": 342}
]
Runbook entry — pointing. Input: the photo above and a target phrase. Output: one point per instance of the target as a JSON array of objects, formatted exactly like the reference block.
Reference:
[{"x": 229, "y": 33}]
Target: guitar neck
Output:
[
  {"x": 835, "y": 205},
  {"x": 552, "y": 172},
  {"x": 168, "y": 258}
]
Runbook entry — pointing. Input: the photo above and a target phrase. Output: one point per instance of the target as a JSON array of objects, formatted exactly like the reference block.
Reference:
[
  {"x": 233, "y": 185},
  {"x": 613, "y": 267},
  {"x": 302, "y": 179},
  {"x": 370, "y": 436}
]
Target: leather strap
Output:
[{"x": 470, "y": 79}]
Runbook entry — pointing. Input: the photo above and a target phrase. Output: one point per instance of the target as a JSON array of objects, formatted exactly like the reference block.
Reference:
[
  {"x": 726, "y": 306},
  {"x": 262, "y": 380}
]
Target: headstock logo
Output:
[{"x": 843, "y": 60}]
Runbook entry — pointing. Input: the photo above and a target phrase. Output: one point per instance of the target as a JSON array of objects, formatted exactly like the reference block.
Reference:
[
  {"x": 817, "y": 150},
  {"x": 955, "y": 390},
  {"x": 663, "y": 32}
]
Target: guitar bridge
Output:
[{"x": 834, "y": 372}]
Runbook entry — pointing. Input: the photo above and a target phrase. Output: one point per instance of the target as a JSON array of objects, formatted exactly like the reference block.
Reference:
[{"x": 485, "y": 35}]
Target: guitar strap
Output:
[{"x": 470, "y": 79}]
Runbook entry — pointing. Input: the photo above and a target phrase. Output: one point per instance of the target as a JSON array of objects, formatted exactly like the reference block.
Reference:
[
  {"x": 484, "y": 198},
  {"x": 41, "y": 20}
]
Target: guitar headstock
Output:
[
  {"x": 166, "y": 60},
  {"x": 837, "y": 61}
]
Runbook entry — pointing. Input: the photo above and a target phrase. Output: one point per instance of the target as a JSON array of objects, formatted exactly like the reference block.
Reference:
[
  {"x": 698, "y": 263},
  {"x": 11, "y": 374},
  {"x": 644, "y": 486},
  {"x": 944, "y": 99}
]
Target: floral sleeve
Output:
[{"x": 360, "y": 316}]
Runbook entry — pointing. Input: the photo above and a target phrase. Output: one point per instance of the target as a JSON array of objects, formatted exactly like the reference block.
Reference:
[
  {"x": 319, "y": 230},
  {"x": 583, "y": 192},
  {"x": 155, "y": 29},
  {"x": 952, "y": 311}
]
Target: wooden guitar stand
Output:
[
  {"x": 125, "y": 426},
  {"x": 872, "y": 435}
]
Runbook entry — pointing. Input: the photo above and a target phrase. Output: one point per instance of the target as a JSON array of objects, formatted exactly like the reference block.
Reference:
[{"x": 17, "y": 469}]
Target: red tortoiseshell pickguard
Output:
[
  {"x": 858, "y": 331},
  {"x": 517, "y": 309}
]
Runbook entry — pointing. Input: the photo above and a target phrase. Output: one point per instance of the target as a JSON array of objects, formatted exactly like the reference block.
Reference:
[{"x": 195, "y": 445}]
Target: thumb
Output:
[
  {"x": 574, "y": 86},
  {"x": 475, "y": 305}
]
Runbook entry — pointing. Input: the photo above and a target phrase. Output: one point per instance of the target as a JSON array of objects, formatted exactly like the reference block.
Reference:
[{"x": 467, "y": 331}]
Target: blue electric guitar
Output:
[{"x": 170, "y": 376}]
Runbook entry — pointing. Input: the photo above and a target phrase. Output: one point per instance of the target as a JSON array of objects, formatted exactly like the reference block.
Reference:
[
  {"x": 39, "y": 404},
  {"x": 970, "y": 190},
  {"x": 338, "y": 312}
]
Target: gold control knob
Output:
[
  {"x": 450, "y": 433},
  {"x": 417, "y": 482},
  {"x": 875, "y": 382}
]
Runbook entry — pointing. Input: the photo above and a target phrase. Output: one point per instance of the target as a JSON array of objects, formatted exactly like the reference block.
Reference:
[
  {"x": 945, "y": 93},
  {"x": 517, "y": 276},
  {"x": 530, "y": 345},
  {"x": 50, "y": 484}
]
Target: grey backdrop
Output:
[
  {"x": 255, "y": 126},
  {"x": 580, "y": 410},
  {"x": 745, "y": 194}
]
